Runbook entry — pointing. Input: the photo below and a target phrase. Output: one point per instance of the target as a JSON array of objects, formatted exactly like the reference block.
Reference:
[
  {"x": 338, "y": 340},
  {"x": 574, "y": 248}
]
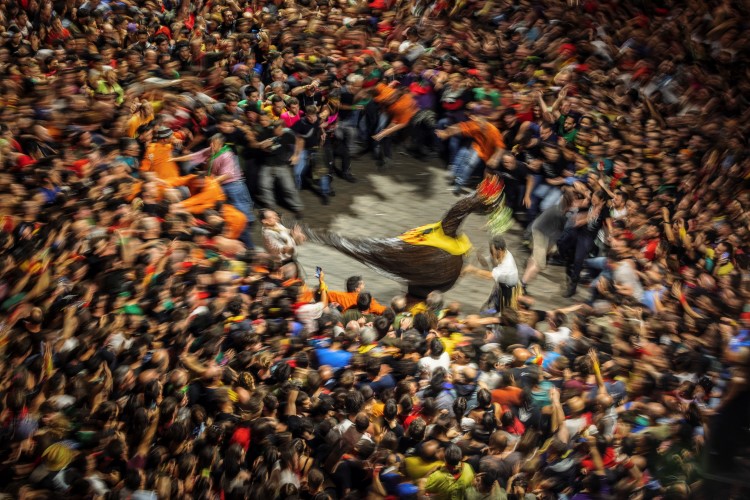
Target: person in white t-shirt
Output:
[
  {"x": 557, "y": 334},
  {"x": 437, "y": 358},
  {"x": 504, "y": 274}
]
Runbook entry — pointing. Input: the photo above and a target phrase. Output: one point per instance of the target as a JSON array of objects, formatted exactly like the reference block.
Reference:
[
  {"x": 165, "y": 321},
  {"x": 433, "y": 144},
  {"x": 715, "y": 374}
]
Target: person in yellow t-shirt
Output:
[
  {"x": 719, "y": 260},
  {"x": 425, "y": 462}
]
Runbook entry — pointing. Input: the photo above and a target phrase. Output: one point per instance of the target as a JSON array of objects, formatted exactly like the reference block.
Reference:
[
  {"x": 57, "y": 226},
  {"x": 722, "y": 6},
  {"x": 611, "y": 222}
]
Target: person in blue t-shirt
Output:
[{"x": 334, "y": 356}]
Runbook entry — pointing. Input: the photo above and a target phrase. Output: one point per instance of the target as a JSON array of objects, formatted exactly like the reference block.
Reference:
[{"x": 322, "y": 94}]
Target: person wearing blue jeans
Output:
[
  {"x": 464, "y": 165},
  {"x": 309, "y": 134},
  {"x": 239, "y": 197},
  {"x": 301, "y": 160},
  {"x": 605, "y": 267},
  {"x": 596, "y": 264},
  {"x": 223, "y": 165},
  {"x": 549, "y": 176},
  {"x": 577, "y": 242},
  {"x": 351, "y": 129},
  {"x": 486, "y": 148},
  {"x": 543, "y": 196},
  {"x": 383, "y": 148},
  {"x": 453, "y": 143}
]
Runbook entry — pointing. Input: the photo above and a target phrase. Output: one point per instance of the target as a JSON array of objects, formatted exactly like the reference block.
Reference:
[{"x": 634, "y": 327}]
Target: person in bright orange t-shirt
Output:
[
  {"x": 158, "y": 157},
  {"x": 486, "y": 148},
  {"x": 348, "y": 299},
  {"x": 402, "y": 111},
  {"x": 205, "y": 193}
]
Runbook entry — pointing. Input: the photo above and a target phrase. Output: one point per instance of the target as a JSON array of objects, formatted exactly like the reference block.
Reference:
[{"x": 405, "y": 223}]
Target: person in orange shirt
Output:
[
  {"x": 400, "y": 111},
  {"x": 158, "y": 157},
  {"x": 507, "y": 394},
  {"x": 143, "y": 112},
  {"x": 348, "y": 299},
  {"x": 205, "y": 193},
  {"x": 487, "y": 148}
]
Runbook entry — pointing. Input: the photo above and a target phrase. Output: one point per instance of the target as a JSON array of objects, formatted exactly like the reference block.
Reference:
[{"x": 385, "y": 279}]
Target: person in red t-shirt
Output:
[{"x": 650, "y": 241}]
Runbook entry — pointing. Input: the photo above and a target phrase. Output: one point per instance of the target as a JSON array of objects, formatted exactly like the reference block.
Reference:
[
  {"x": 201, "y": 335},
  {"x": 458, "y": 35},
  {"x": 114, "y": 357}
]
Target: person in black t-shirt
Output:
[
  {"x": 577, "y": 241},
  {"x": 518, "y": 180},
  {"x": 350, "y": 112},
  {"x": 549, "y": 176},
  {"x": 277, "y": 144},
  {"x": 511, "y": 127},
  {"x": 310, "y": 137}
]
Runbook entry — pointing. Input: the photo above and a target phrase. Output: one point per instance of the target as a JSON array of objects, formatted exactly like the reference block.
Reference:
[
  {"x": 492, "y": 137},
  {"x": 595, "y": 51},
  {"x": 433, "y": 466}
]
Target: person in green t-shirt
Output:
[
  {"x": 567, "y": 128},
  {"x": 452, "y": 481},
  {"x": 492, "y": 95}
]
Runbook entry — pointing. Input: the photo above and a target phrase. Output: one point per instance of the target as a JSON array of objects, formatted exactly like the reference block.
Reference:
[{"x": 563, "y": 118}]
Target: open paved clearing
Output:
[{"x": 386, "y": 203}]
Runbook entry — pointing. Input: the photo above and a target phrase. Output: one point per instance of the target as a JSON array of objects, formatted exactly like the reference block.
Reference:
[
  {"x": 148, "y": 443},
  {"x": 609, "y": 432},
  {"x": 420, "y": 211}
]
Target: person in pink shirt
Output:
[{"x": 292, "y": 114}]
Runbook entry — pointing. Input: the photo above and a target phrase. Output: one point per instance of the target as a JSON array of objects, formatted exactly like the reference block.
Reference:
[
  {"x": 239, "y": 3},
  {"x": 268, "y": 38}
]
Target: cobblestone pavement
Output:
[{"x": 386, "y": 203}]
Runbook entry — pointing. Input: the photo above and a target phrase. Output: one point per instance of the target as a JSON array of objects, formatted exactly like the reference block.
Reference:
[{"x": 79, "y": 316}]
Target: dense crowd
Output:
[{"x": 150, "y": 350}]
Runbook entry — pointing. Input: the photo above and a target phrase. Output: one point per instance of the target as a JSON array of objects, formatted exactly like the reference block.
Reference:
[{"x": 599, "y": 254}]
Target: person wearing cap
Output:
[{"x": 158, "y": 157}]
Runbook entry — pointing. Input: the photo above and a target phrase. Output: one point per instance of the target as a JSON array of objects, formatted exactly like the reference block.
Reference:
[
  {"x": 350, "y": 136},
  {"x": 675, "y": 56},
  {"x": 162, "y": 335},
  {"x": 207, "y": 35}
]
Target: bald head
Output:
[{"x": 520, "y": 355}]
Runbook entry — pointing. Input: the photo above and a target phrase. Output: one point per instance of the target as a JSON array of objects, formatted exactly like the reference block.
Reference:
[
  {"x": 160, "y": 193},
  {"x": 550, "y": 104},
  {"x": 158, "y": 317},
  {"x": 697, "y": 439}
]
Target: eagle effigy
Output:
[{"x": 429, "y": 257}]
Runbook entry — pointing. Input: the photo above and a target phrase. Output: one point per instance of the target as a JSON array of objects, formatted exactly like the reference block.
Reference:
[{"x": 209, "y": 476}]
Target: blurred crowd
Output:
[{"x": 150, "y": 350}]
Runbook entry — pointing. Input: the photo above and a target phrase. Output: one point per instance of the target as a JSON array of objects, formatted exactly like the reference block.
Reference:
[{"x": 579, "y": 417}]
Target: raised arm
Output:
[
  {"x": 558, "y": 416},
  {"x": 597, "y": 372},
  {"x": 323, "y": 288},
  {"x": 595, "y": 456}
]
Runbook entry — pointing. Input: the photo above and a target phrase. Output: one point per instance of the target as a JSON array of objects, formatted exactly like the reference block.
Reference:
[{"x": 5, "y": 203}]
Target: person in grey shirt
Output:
[{"x": 545, "y": 231}]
